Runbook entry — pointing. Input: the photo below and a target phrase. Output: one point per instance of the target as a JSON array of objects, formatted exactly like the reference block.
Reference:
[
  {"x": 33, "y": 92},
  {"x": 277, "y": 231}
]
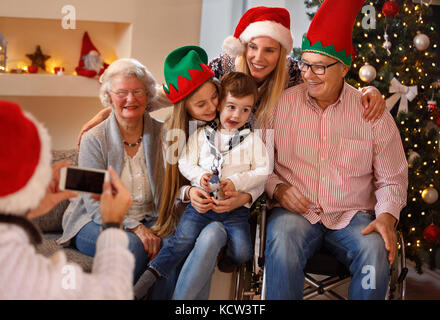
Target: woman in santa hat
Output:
[{"x": 29, "y": 189}]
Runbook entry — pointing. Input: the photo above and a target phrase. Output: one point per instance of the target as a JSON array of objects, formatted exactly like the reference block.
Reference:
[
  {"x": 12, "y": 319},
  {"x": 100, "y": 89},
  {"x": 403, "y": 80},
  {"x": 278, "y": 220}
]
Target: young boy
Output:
[{"x": 225, "y": 151}]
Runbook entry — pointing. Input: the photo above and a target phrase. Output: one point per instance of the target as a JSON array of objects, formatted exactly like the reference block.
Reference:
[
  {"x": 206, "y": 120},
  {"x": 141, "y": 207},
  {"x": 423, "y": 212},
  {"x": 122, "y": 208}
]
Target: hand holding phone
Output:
[{"x": 114, "y": 205}]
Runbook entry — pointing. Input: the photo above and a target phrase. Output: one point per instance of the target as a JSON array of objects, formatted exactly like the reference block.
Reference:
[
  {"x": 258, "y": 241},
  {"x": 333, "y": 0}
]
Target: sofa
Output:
[{"x": 50, "y": 224}]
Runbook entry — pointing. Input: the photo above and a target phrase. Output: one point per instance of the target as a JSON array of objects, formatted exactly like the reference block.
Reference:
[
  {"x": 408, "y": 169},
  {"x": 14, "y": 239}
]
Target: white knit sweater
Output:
[
  {"x": 25, "y": 274},
  {"x": 247, "y": 165}
]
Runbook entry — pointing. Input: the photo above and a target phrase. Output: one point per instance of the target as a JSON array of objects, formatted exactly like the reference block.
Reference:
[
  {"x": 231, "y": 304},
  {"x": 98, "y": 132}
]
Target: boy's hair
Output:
[{"x": 239, "y": 85}]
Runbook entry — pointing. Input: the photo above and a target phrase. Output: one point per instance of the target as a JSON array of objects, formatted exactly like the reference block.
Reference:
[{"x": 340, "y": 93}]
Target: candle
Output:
[{"x": 59, "y": 71}]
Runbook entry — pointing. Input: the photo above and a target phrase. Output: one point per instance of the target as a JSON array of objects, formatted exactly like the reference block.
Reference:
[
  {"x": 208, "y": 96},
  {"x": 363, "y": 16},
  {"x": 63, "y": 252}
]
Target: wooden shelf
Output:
[{"x": 48, "y": 85}]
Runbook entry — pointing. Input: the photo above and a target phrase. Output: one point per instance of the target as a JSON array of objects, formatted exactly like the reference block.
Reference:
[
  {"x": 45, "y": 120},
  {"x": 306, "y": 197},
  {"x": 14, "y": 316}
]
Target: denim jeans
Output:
[
  {"x": 85, "y": 242},
  {"x": 191, "y": 224},
  {"x": 291, "y": 240},
  {"x": 194, "y": 281}
]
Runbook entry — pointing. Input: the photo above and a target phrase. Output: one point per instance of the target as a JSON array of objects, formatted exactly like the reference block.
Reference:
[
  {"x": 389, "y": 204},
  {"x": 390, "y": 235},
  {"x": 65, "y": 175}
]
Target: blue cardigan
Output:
[{"x": 100, "y": 147}]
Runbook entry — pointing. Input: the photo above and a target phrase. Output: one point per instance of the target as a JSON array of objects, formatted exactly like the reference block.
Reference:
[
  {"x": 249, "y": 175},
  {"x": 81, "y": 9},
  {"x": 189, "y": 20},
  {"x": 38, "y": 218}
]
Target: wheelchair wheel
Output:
[
  {"x": 244, "y": 287},
  {"x": 398, "y": 272},
  {"x": 249, "y": 276}
]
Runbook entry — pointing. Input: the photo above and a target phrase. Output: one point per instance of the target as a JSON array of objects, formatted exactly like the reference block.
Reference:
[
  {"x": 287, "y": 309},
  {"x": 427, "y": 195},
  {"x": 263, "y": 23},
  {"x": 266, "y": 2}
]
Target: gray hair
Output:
[{"x": 127, "y": 67}]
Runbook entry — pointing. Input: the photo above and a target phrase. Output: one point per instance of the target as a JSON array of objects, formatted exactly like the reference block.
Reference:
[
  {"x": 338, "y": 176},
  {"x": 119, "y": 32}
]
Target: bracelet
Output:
[{"x": 189, "y": 190}]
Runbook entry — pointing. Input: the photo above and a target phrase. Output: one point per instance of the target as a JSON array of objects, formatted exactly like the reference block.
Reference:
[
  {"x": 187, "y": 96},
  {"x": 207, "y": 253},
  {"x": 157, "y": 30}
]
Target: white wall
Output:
[
  {"x": 220, "y": 17},
  {"x": 143, "y": 29}
]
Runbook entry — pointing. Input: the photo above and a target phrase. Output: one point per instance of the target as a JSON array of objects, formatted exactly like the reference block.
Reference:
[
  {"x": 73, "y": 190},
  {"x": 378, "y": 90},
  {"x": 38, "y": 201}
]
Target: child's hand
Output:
[
  {"x": 204, "y": 182},
  {"x": 227, "y": 186}
]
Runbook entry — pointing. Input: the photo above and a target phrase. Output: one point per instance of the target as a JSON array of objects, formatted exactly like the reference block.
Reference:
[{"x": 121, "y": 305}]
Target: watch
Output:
[{"x": 107, "y": 225}]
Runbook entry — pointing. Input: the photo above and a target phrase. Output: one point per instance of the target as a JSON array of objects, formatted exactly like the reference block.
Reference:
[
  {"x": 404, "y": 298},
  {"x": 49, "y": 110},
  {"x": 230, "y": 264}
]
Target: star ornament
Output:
[{"x": 38, "y": 58}]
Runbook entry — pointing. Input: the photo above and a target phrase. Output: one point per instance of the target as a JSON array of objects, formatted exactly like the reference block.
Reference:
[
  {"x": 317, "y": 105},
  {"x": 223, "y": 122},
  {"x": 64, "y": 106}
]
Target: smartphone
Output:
[{"x": 83, "y": 179}]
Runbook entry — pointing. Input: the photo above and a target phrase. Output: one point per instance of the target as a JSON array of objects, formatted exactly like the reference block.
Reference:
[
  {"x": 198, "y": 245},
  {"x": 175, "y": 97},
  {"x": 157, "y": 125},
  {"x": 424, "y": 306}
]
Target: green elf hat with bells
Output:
[
  {"x": 185, "y": 70},
  {"x": 330, "y": 32}
]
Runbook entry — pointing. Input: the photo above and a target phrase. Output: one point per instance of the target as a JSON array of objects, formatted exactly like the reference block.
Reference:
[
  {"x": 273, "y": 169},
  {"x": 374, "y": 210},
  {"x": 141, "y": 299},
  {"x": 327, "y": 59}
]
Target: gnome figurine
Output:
[{"x": 91, "y": 62}]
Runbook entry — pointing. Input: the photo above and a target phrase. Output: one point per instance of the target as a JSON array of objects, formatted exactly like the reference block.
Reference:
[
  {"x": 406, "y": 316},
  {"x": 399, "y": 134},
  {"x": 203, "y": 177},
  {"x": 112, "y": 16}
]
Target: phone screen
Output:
[{"x": 83, "y": 180}]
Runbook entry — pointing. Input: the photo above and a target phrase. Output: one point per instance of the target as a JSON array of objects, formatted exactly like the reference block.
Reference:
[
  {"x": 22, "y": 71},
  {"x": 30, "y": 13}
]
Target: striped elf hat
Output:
[
  {"x": 330, "y": 32},
  {"x": 185, "y": 70}
]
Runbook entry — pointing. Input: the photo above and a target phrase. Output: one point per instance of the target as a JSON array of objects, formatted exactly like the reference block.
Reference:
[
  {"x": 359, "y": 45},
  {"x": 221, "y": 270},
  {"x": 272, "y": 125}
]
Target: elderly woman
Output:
[{"x": 127, "y": 141}]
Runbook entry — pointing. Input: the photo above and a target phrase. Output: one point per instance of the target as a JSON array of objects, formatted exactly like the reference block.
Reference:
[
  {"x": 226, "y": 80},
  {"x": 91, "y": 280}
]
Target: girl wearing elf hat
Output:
[
  {"x": 29, "y": 189},
  {"x": 194, "y": 91},
  {"x": 192, "y": 88}
]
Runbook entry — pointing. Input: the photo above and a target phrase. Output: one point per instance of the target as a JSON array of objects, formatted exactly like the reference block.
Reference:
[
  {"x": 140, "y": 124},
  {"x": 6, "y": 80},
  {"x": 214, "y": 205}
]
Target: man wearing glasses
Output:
[{"x": 338, "y": 181}]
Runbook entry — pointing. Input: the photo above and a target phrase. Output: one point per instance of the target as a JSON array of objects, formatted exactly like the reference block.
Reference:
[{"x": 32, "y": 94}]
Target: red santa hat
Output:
[
  {"x": 87, "y": 47},
  {"x": 258, "y": 22},
  {"x": 25, "y": 160}
]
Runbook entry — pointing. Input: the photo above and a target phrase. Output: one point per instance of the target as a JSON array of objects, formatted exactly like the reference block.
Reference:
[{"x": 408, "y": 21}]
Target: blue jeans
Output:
[
  {"x": 85, "y": 242},
  {"x": 191, "y": 224},
  {"x": 193, "y": 282},
  {"x": 291, "y": 240}
]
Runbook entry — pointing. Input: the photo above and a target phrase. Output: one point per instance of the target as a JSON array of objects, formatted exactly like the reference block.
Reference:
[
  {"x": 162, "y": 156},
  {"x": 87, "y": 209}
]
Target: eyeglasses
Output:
[
  {"x": 317, "y": 69},
  {"x": 137, "y": 93}
]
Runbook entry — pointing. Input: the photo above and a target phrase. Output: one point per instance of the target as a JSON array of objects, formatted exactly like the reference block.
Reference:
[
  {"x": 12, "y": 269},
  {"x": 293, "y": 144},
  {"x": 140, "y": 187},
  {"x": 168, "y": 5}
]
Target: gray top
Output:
[{"x": 100, "y": 147}]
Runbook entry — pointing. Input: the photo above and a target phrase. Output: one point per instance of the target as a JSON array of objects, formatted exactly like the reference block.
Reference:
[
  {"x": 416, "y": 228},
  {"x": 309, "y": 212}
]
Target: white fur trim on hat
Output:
[
  {"x": 31, "y": 194},
  {"x": 270, "y": 29},
  {"x": 233, "y": 46}
]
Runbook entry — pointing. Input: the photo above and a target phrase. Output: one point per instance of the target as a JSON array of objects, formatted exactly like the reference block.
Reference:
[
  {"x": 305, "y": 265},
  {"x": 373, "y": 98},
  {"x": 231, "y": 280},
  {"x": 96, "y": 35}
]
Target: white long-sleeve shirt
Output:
[
  {"x": 247, "y": 165},
  {"x": 25, "y": 274}
]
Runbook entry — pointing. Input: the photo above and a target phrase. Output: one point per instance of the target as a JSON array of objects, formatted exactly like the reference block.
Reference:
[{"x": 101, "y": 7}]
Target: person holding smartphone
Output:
[{"x": 29, "y": 189}]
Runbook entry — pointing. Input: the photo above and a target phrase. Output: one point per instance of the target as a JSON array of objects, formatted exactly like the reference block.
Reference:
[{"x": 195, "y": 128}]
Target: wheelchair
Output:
[{"x": 323, "y": 272}]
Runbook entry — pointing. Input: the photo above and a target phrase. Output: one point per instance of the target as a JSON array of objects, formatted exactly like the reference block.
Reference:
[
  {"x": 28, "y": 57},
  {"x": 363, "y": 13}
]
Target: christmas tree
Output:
[{"x": 396, "y": 45}]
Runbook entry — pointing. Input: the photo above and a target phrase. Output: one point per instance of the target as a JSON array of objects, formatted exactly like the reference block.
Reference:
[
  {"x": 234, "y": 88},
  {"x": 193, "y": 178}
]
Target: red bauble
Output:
[
  {"x": 390, "y": 9},
  {"x": 431, "y": 233}
]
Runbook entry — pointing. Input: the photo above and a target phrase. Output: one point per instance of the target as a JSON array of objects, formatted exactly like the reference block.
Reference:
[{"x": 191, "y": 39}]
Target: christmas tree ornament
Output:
[
  {"x": 421, "y": 41},
  {"x": 431, "y": 233},
  {"x": 387, "y": 44},
  {"x": 367, "y": 72},
  {"x": 432, "y": 105},
  {"x": 430, "y": 195},
  {"x": 90, "y": 63},
  {"x": 38, "y": 58},
  {"x": 401, "y": 92},
  {"x": 412, "y": 156},
  {"x": 390, "y": 9}
]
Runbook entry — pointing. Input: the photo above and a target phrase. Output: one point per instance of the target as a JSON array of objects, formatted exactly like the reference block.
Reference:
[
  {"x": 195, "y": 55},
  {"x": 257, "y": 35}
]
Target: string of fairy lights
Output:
[
  {"x": 419, "y": 65},
  {"x": 408, "y": 74}
]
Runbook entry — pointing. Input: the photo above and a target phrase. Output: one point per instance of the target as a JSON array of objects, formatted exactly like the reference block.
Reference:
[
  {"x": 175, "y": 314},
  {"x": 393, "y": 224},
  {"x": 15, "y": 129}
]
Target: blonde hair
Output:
[
  {"x": 272, "y": 87},
  {"x": 170, "y": 176},
  {"x": 126, "y": 67}
]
